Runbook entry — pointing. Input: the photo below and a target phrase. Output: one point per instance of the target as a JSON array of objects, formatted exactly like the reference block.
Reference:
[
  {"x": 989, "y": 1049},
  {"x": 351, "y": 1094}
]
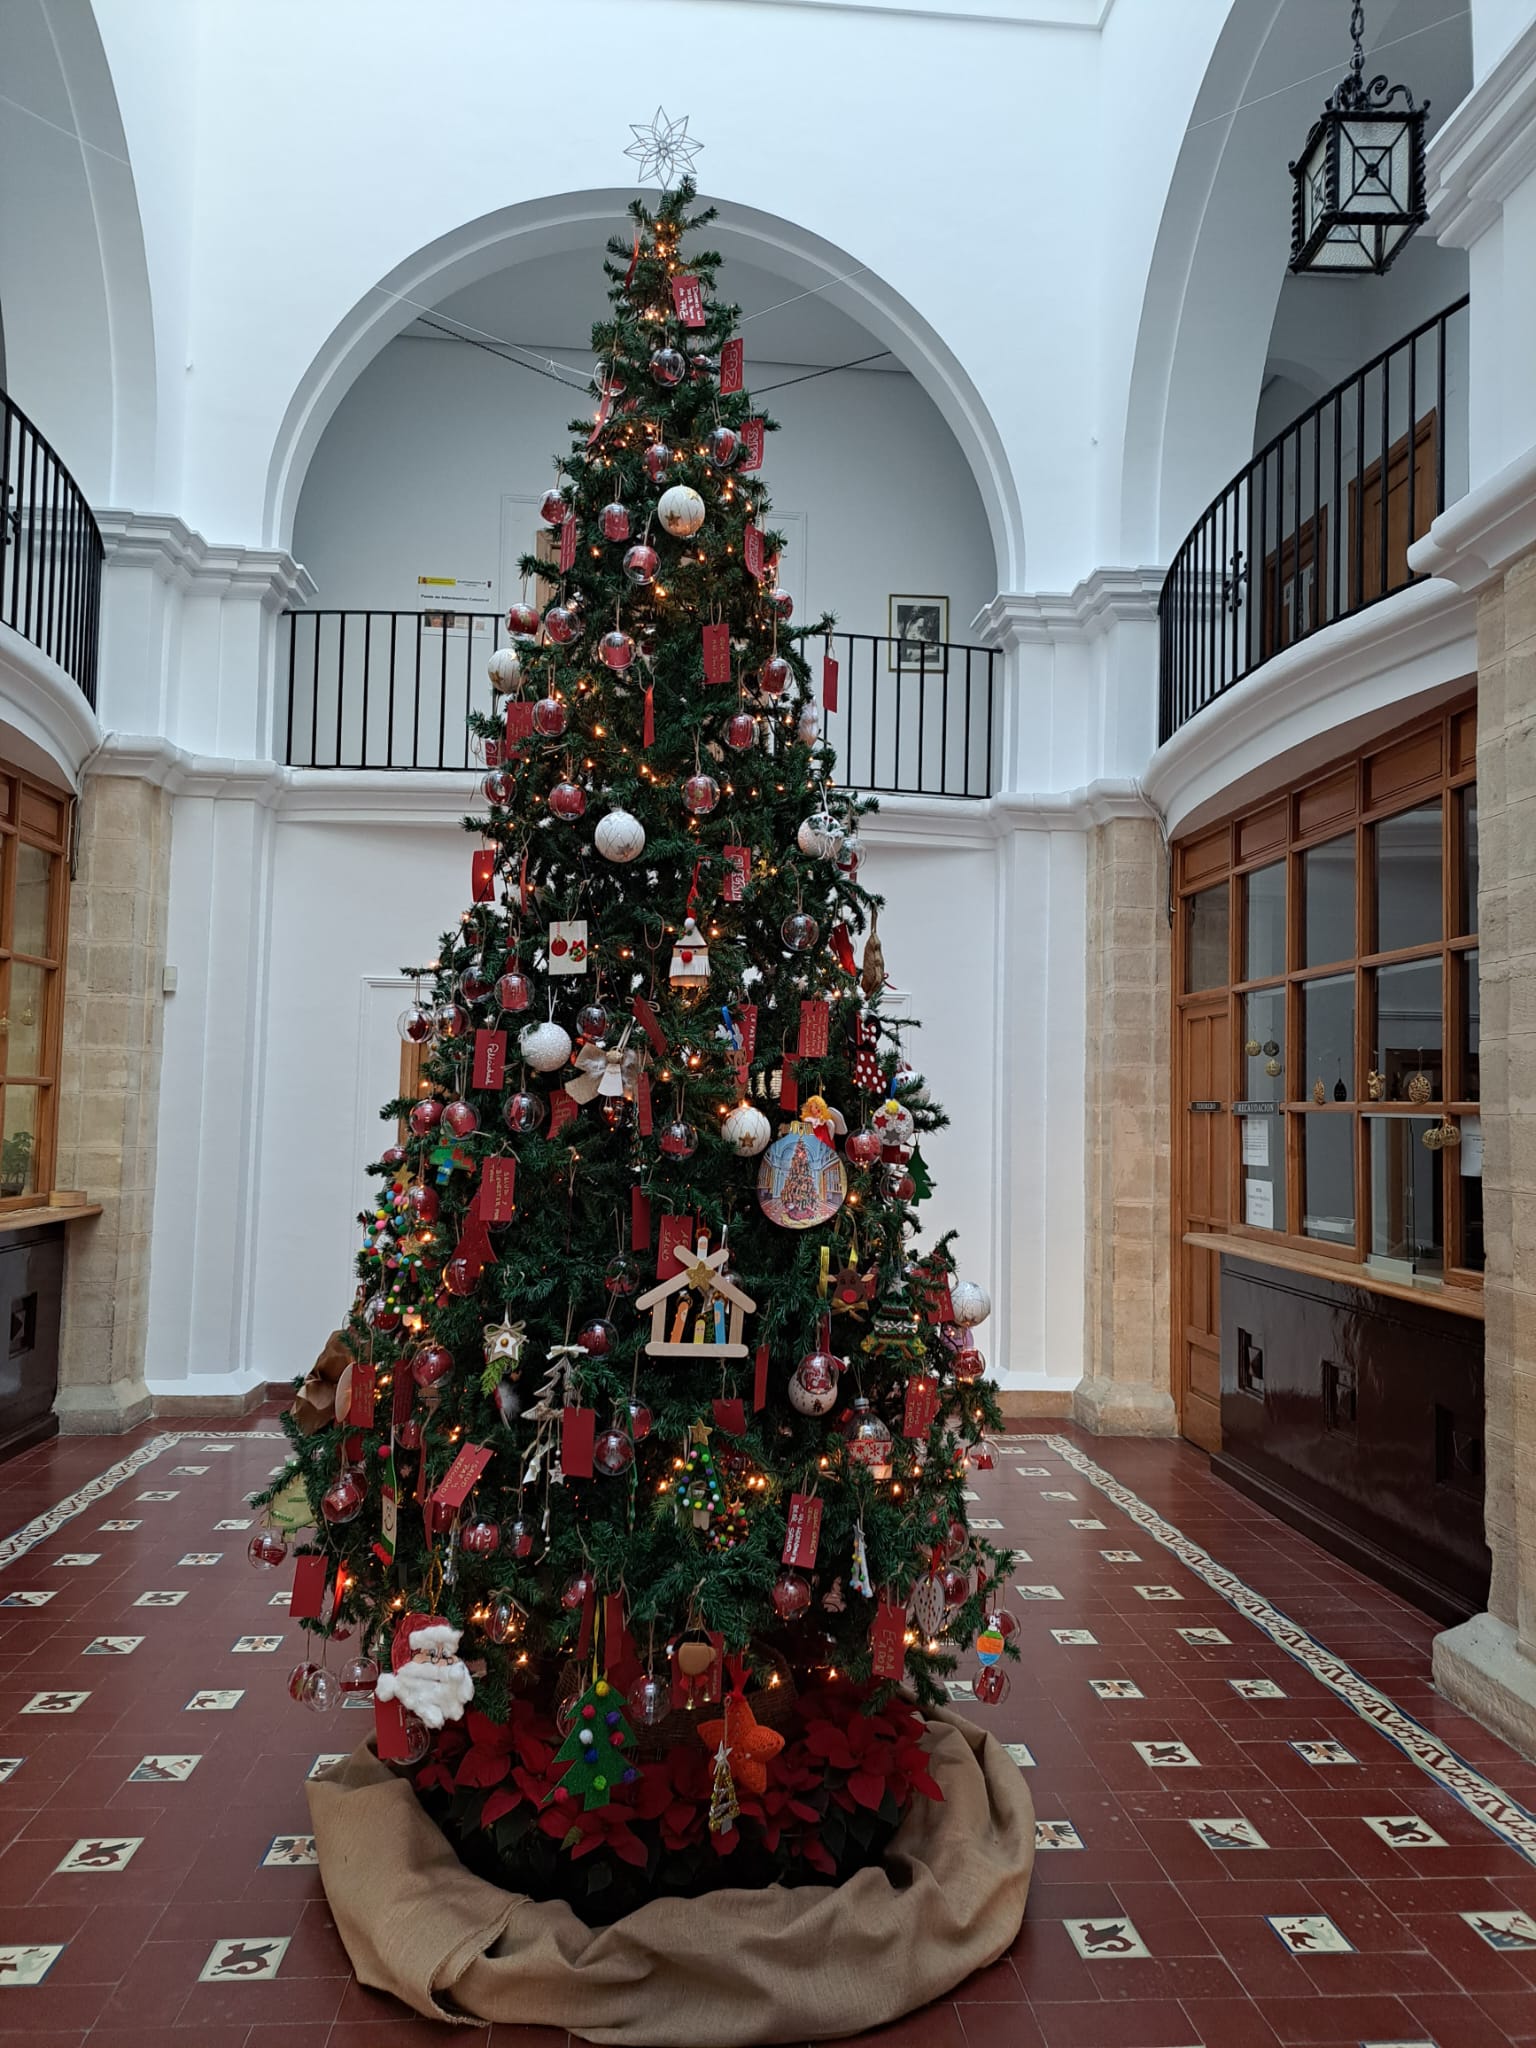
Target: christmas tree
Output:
[{"x": 636, "y": 1371}]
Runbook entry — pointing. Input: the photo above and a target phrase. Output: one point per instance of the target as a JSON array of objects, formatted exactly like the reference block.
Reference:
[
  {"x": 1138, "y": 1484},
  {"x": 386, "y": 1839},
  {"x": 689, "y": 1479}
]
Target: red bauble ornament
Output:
[
  {"x": 524, "y": 1113},
  {"x": 783, "y": 604},
  {"x": 969, "y": 1366},
  {"x": 740, "y": 731},
  {"x": 592, "y": 1023},
  {"x": 496, "y": 788},
  {"x": 791, "y": 1595},
  {"x": 439, "y": 1517},
  {"x": 549, "y": 718},
  {"x": 520, "y": 1537},
  {"x": 480, "y": 1539},
  {"x": 422, "y": 1201},
  {"x": 614, "y": 1452},
  {"x": 474, "y": 985},
  {"x": 266, "y": 1548},
  {"x": 425, "y": 1116},
  {"x": 553, "y": 509},
  {"x": 680, "y": 1140},
  {"x": 392, "y": 1156},
  {"x": 903, "y": 1187},
  {"x": 773, "y": 675},
  {"x": 567, "y": 800},
  {"x": 615, "y": 522},
  {"x": 598, "y": 1338},
  {"x": 956, "y": 1586},
  {"x": 408, "y": 1435},
  {"x": 668, "y": 367},
  {"x": 342, "y": 1502},
  {"x": 1006, "y": 1622},
  {"x": 621, "y": 1275},
  {"x": 415, "y": 1025},
  {"x": 430, "y": 1367},
  {"x": 640, "y": 563},
  {"x": 701, "y": 793},
  {"x": 462, "y": 1118},
  {"x": 722, "y": 444},
  {"x": 459, "y": 1277},
  {"x": 658, "y": 460},
  {"x": 514, "y": 991},
  {"x": 992, "y": 1685},
  {"x": 523, "y": 622},
  {"x": 451, "y": 1021},
  {"x": 862, "y": 1148},
  {"x": 616, "y": 649},
  {"x": 576, "y": 1590},
  {"x": 639, "y": 1421},
  {"x": 561, "y": 624}
]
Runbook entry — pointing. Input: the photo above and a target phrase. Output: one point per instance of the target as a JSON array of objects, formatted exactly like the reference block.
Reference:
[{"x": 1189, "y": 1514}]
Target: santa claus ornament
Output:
[{"x": 434, "y": 1685}]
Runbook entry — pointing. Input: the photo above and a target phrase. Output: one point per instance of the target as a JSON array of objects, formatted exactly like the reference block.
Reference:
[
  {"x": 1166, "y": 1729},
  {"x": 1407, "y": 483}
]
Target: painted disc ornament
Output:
[
  {"x": 722, "y": 445},
  {"x": 414, "y": 1025},
  {"x": 519, "y": 1537},
  {"x": 668, "y": 367},
  {"x": 639, "y": 1421},
  {"x": 801, "y": 1181},
  {"x": 474, "y": 984},
  {"x": 342, "y": 1502},
  {"x": 658, "y": 460},
  {"x": 800, "y": 931},
  {"x": 649, "y": 1700},
  {"x": 553, "y": 509},
  {"x": 613, "y": 1453},
  {"x": 791, "y": 1595},
  {"x": 619, "y": 836},
  {"x": 773, "y": 675},
  {"x": 783, "y": 604},
  {"x": 568, "y": 800},
  {"x": 423, "y": 1202},
  {"x": 561, "y": 624},
  {"x": 266, "y": 1549},
  {"x": 523, "y": 622},
  {"x": 701, "y": 793},
  {"x": 820, "y": 835},
  {"x": 481, "y": 1538},
  {"x": 970, "y": 1303},
  {"x": 740, "y": 731},
  {"x": 462, "y": 1118},
  {"x": 681, "y": 511},
  {"x": 989, "y": 1644},
  {"x": 592, "y": 1023},
  {"x": 617, "y": 649},
  {"x": 992, "y": 1685},
  {"x": 450, "y": 1021},
  {"x": 868, "y": 1439},
  {"x": 544, "y": 1046},
  {"x": 614, "y": 520},
  {"x": 549, "y": 718},
  {"x": 680, "y": 1140},
  {"x": 514, "y": 991},
  {"x": 747, "y": 1131},
  {"x": 621, "y": 1275},
  {"x": 640, "y": 563},
  {"x": 524, "y": 1113},
  {"x": 862, "y": 1148},
  {"x": 504, "y": 669},
  {"x": 813, "y": 1385},
  {"x": 598, "y": 1338}
]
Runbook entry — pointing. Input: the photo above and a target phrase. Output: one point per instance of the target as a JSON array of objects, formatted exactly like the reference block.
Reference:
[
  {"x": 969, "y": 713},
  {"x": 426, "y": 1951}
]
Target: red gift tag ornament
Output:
[
  {"x": 647, "y": 1019},
  {"x": 760, "y": 1377},
  {"x": 888, "y": 1640},
  {"x": 364, "y": 1395},
  {"x": 604, "y": 415},
  {"x": 562, "y": 1111},
  {"x": 751, "y": 457},
  {"x": 804, "y": 1530},
  {"x": 519, "y": 726},
  {"x": 732, "y": 365},
  {"x": 490, "y": 1059},
  {"x": 738, "y": 868},
  {"x": 498, "y": 1190},
  {"x": 688, "y": 299},
  {"x": 815, "y": 1021},
  {"x": 829, "y": 682},
  {"x": 789, "y": 1085},
  {"x": 752, "y": 551},
  {"x": 482, "y": 874},
  {"x": 567, "y": 543},
  {"x": 453, "y": 1488},
  {"x": 674, "y": 1245},
  {"x": 643, "y": 1121},
  {"x": 717, "y": 654},
  {"x": 922, "y": 1404},
  {"x": 307, "y": 1600},
  {"x": 391, "y": 1740},
  {"x": 730, "y": 1416},
  {"x": 578, "y": 1428}
]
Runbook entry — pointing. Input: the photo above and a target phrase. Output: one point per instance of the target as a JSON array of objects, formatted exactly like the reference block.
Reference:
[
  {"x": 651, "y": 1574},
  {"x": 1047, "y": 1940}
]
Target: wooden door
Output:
[
  {"x": 1365, "y": 575},
  {"x": 1204, "y": 1179}
]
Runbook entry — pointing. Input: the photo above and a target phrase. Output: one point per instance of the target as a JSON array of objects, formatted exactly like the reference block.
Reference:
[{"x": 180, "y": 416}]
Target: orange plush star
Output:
[{"x": 748, "y": 1746}]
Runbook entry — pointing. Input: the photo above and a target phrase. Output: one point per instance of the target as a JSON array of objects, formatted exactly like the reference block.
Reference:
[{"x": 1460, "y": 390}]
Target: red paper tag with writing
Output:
[
  {"x": 404, "y": 1393},
  {"x": 615, "y": 1640},
  {"x": 567, "y": 543},
  {"x": 738, "y": 867},
  {"x": 643, "y": 1121},
  {"x": 746, "y": 1024},
  {"x": 578, "y": 1427},
  {"x": 453, "y": 1488},
  {"x": 733, "y": 365},
  {"x": 804, "y": 1531},
  {"x": 730, "y": 1416},
  {"x": 789, "y": 1085},
  {"x": 474, "y": 1245},
  {"x": 604, "y": 415},
  {"x": 639, "y": 1220},
  {"x": 937, "y": 1304},
  {"x": 490, "y": 1059},
  {"x": 688, "y": 299},
  {"x": 364, "y": 1394},
  {"x": 519, "y": 724},
  {"x": 752, "y": 551},
  {"x": 751, "y": 456},
  {"x": 482, "y": 874},
  {"x": 674, "y": 1245},
  {"x": 563, "y": 1110},
  {"x": 390, "y": 1740},
  {"x": 588, "y": 1616},
  {"x": 646, "y": 1018},
  {"x": 717, "y": 654},
  {"x": 493, "y": 753},
  {"x": 829, "y": 682},
  {"x": 307, "y": 1601},
  {"x": 760, "y": 1377},
  {"x": 888, "y": 1640},
  {"x": 498, "y": 1190},
  {"x": 921, "y": 1406},
  {"x": 815, "y": 1021}
]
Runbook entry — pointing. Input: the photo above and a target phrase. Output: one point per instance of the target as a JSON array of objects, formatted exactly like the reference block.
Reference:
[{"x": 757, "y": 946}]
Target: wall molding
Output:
[
  {"x": 1102, "y": 600},
  {"x": 1485, "y": 149},
  {"x": 180, "y": 556},
  {"x": 1475, "y": 540},
  {"x": 55, "y": 731}
]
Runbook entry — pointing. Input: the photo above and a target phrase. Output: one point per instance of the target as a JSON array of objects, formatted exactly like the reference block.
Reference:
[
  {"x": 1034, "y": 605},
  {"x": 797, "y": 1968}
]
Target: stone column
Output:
[
  {"x": 1125, "y": 1386},
  {"x": 109, "y": 1096}
]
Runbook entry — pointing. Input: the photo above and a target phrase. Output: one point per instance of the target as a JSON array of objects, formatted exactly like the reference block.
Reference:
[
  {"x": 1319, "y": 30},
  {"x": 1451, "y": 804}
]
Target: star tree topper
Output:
[{"x": 661, "y": 148}]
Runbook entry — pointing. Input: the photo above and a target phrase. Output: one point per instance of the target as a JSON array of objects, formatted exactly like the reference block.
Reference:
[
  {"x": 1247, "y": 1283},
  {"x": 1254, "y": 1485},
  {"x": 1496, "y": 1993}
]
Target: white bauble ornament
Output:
[
  {"x": 970, "y": 1303},
  {"x": 544, "y": 1046},
  {"x": 504, "y": 669},
  {"x": 820, "y": 835},
  {"x": 813, "y": 1384},
  {"x": 619, "y": 836},
  {"x": 910, "y": 1087},
  {"x": 681, "y": 511},
  {"x": 747, "y": 1131},
  {"x": 808, "y": 726}
]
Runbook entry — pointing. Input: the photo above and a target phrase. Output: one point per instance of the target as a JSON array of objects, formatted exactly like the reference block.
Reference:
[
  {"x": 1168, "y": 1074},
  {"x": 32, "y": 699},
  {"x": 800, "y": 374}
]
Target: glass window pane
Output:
[
  {"x": 18, "y": 1145},
  {"x": 1468, "y": 808},
  {"x": 1408, "y": 868},
  {"x": 22, "y": 1043},
  {"x": 1469, "y": 1186},
  {"x": 1407, "y": 1223},
  {"x": 1264, "y": 926},
  {"x": 1205, "y": 953},
  {"x": 1409, "y": 1031},
  {"x": 1262, "y": 1139},
  {"x": 29, "y": 920},
  {"x": 1328, "y": 1178},
  {"x": 1471, "y": 1028},
  {"x": 1328, "y": 884},
  {"x": 1328, "y": 1015},
  {"x": 1263, "y": 1045}
]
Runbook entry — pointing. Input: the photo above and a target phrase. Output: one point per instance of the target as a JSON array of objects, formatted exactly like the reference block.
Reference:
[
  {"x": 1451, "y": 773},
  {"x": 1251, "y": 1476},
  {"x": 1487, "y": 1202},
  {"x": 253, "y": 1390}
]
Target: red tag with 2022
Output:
[{"x": 688, "y": 299}]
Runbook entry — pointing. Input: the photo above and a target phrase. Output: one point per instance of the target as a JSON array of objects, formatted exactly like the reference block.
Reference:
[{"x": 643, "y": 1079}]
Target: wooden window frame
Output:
[{"x": 40, "y": 816}]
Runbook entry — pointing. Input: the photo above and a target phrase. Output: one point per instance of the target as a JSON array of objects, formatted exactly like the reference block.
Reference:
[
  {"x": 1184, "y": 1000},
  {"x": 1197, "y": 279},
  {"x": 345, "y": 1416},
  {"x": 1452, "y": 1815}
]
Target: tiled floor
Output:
[{"x": 1232, "y": 1851}]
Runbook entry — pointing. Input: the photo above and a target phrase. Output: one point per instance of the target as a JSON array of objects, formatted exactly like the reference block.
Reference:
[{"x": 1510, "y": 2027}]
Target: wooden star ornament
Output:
[{"x": 748, "y": 1745}]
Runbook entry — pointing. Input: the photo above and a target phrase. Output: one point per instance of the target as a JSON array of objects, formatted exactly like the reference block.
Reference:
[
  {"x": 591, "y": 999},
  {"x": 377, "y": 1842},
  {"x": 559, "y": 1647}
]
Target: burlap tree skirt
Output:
[{"x": 721, "y": 1971}]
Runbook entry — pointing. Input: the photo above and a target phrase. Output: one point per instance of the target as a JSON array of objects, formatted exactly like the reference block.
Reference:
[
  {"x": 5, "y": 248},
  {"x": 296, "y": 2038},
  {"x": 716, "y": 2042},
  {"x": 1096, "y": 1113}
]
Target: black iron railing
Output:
[
  {"x": 380, "y": 689},
  {"x": 50, "y": 552},
  {"x": 1320, "y": 522}
]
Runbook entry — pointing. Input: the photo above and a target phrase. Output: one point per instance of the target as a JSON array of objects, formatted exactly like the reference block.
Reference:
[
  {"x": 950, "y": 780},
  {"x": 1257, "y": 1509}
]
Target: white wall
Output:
[{"x": 410, "y": 474}]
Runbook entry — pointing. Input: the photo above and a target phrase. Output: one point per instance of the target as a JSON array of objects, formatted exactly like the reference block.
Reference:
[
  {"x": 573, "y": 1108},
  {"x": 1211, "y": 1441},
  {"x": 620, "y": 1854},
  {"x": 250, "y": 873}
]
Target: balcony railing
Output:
[
  {"x": 1320, "y": 522},
  {"x": 50, "y": 552},
  {"x": 381, "y": 689}
]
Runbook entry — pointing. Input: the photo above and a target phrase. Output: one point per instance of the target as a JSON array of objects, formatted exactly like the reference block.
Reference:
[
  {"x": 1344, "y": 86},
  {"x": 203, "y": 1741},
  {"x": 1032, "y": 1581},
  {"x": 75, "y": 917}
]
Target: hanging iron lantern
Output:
[{"x": 1359, "y": 182}]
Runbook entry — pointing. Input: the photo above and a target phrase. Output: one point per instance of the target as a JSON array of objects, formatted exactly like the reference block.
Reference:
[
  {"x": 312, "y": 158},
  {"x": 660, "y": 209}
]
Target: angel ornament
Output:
[
  {"x": 817, "y": 1115},
  {"x": 608, "y": 1071},
  {"x": 435, "y": 1685}
]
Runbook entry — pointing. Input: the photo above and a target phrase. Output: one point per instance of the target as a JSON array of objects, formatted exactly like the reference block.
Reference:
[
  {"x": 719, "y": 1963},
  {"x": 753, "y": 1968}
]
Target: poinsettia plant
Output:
[{"x": 852, "y": 1762}]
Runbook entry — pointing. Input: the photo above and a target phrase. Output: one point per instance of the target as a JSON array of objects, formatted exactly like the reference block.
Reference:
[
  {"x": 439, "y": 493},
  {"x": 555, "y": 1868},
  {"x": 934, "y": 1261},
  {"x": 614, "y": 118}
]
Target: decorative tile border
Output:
[
  {"x": 1509, "y": 1820},
  {"x": 51, "y": 1520}
]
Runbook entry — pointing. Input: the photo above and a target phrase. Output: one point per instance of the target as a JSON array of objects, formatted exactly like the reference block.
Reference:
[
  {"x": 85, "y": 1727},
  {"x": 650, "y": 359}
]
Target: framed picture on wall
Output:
[{"x": 919, "y": 628}]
